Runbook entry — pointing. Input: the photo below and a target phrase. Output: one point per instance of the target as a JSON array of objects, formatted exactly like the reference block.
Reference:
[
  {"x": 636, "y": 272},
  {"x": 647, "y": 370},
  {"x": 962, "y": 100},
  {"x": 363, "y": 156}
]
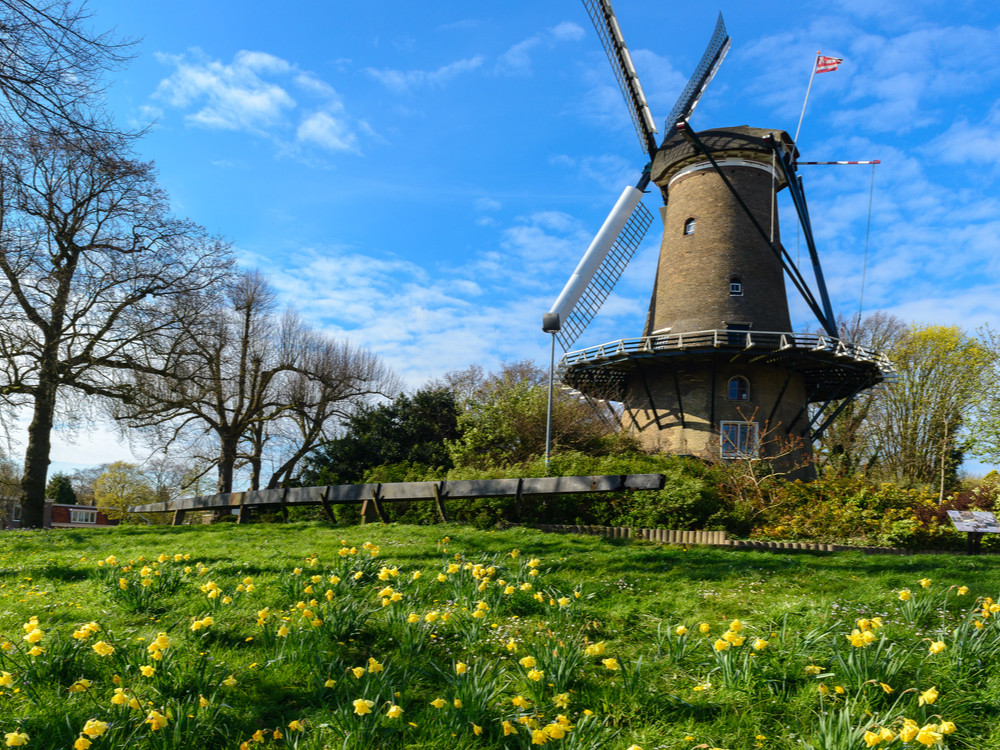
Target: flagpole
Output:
[{"x": 808, "y": 89}]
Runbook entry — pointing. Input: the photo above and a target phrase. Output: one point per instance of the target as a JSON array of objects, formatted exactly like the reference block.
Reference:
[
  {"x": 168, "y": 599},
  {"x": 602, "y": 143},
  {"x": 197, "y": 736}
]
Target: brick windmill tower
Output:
[{"x": 718, "y": 371}]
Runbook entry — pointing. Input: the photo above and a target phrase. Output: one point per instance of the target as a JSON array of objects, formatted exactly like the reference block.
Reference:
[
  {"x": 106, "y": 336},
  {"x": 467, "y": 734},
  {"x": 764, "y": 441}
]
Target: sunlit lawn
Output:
[{"x": 307, "y": 636}]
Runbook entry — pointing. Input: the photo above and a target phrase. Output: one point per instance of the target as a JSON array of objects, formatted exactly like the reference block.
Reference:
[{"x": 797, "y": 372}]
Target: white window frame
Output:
[
  {"x": 689, "y": 226},
  {"x": 739, "y": 439},
  {"x": 82, "y": 516},
  {"x": 735, "y": 288}
]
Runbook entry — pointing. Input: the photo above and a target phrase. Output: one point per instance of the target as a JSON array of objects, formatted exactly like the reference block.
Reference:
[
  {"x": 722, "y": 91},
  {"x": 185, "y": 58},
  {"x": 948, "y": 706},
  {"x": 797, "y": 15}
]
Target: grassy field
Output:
[{"x": 305, "y": 636}]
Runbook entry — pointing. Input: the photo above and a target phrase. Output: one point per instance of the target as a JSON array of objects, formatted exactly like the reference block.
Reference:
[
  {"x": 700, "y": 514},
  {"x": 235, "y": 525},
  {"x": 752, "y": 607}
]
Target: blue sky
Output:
[{"x": 422, "y": 177}]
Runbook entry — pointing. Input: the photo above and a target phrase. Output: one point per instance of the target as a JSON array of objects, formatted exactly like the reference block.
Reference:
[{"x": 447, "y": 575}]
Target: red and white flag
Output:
[{"x": 827, "y": 64}]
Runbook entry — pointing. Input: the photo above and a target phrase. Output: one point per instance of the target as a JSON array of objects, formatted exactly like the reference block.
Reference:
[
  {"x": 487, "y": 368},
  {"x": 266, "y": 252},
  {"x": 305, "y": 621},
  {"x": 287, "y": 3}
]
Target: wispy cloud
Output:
[
  {"x": 405, "y": 81},
  {"x": 517, "y": 60}
]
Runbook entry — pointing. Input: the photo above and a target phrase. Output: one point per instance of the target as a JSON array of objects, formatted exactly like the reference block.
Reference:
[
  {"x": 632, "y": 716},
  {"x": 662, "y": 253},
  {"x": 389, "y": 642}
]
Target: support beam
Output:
[{"x": 781, "y": 395}]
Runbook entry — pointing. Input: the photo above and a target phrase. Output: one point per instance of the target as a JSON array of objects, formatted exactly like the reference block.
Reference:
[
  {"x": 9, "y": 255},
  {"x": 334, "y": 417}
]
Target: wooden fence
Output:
[{"x": 372, "y": 496}]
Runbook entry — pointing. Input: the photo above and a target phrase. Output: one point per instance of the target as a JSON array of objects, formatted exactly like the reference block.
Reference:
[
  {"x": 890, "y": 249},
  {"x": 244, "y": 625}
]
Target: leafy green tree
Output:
[
  {"x": 60, "y": 489},
  {"x": 411, "y": 429},
  {"x": 919, "y": 422},
  {"x": 122, "y": 485},
  {"x": 985, "y": 428}
]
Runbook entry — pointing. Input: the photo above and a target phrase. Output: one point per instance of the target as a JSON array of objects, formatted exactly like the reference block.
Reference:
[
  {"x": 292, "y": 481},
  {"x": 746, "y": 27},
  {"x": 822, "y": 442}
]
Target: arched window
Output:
[
  {"x": 689, "y": 226},
  {"x": 735, "y": 287},
  {"x": 739, "y": 389}
]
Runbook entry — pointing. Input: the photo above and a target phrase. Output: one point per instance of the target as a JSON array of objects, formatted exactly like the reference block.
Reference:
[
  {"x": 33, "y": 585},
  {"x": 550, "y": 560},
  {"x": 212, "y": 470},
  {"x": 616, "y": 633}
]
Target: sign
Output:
[{"x": 981, "y": 521}]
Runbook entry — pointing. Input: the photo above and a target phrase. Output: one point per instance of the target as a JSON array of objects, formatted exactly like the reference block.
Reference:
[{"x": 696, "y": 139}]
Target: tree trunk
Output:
[
  {"x": 227, "y": 461},
  {"x": 36, "y": 457}
]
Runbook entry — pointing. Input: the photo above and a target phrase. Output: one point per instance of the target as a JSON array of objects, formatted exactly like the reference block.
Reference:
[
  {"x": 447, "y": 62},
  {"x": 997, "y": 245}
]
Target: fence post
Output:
[{"x": 439, "y": 501}]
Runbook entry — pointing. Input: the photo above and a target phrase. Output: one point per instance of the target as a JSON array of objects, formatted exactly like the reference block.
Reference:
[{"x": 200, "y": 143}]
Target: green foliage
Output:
[
  {"x": 60, "y": 489},
  {"x": 504, "y": 415},
  {"x": 411, "y": 429}
]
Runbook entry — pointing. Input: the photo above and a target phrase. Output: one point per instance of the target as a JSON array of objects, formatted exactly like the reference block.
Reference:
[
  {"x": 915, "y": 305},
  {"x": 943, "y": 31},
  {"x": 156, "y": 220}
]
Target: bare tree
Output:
[
  {"x": 51, "y": 66},
  {"x": 239, "y": 377},
  {"x": 850, "y": 443},
  {"x": 91, "y": 258}
]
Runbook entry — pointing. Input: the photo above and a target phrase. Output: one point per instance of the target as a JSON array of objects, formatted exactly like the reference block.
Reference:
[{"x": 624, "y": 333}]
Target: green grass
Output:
[{"x": 243, "y": 675}]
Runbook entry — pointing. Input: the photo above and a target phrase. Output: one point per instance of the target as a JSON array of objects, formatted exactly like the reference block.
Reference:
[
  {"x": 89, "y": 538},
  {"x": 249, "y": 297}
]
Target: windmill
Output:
[{"x": 717, "y": 366}]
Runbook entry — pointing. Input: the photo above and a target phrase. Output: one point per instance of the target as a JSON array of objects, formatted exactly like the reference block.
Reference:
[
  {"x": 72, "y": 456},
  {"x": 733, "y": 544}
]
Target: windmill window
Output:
[
  {"x": 739, "y": 439},
  {"x": 739, "y": 389},
  {"x": 735, "y": 287},
  {"x": 689, "y": 226}
]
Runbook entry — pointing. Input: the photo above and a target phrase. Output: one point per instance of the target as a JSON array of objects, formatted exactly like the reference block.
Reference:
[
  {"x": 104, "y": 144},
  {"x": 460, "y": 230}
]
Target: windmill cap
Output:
[{"x": 676, "y": 153}]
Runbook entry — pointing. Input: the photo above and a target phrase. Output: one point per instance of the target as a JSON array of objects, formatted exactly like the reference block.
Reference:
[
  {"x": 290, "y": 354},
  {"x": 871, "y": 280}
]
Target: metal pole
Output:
[{"x": 548, "y": 415}]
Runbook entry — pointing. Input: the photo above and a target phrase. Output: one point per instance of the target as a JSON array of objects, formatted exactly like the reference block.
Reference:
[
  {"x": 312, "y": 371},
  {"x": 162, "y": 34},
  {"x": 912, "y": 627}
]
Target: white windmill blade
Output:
[
  {"x": 603, "y": 17},
  {"x": 601, "y": 266}
]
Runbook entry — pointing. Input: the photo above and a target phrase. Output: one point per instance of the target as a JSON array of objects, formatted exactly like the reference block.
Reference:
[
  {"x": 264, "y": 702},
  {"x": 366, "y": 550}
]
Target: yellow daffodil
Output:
[
  {"x": 963, "y": 590},
  {"x": 908, "y": 731},
  {"x": 438, "y": 703},
  {"x": 461, "y": 668},
  {"x": 611, "y": 664},
  {"x": 16, "y": 739},
  {"x": 103, "y": 648},
  {"x": 681, "y": 630},
  {"x": 296, "y": 726},
  {"x": 925, "y": 582},
  {"x": 905, "y": 595},
  {"x": 704, "y": 627},
  {"x": 508, "y": 728},
  {"x": 147, "y": 670},
  {"x": 595, "y": 649},
  {"x": 156, "y": 720},
  {"x": 394, "y": 711},
  {"x": 937, "y": 647},
  {"x": 362, "y": 706},
  {"x": 527, "y": 662},
  {"x": 872, "y": 738},
  {"x": 721, "y": 644},
  {"x": 928, "y": 696},
  {"x": 6, "y": 678},
  {"x": 374, "y": 667},
  {"x": 82, "y": 743},
  {"x": 358, "y": 672},
  {"x": 928, "y": 735},
  {"x": 520, "y": 701},
  {"x": 759, "y": 644}
]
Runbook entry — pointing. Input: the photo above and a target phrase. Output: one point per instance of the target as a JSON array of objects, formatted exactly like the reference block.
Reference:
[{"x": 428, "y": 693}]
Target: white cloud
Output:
[
  {"x": 324, "y": 130},
  {"x": 567, "y": 31},
  {"x": 253, "y": 94}
]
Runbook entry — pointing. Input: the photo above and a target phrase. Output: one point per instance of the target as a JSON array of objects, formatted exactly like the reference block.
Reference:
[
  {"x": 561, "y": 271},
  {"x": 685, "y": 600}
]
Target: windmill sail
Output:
[
  {"x": 601, "y": 266},
  {"x": 622, "y": 232}
]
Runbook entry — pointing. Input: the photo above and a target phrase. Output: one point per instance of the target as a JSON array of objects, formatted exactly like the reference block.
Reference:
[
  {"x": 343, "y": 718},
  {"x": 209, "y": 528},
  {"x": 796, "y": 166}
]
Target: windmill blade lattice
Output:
[
  {"x": 604, "y": 279},
  {"x": 603, "y": 18},
  {"x": 714, "y": 54}
]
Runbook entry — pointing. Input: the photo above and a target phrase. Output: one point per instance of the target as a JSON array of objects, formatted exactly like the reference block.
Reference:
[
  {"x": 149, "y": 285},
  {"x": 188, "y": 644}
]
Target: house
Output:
[{"x": 59, "y": 515}]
